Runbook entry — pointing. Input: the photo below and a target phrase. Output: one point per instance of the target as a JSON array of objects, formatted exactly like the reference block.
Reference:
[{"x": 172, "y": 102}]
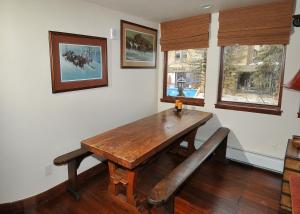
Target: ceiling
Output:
[{"x": 163, "y": 10}]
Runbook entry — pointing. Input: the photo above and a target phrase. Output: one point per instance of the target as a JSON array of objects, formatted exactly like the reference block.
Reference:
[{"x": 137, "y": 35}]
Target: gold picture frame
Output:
[{"x": 138, "y": 46}]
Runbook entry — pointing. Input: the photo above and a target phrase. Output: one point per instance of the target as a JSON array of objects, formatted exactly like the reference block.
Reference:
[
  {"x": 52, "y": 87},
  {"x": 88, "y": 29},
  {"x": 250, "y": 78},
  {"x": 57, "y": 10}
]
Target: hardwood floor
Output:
[{"x": 222, "y": 188}]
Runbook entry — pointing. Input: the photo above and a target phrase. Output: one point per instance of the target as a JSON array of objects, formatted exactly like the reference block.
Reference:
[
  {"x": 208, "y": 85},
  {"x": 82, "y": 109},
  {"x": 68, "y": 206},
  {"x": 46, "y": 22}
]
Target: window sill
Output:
[
  {"x": 263, "y": 109},
  {"x": 186, "y": 101}
]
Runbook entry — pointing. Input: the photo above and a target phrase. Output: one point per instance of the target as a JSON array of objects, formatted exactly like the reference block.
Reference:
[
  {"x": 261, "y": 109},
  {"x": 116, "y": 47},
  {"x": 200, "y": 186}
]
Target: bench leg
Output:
[
  {"x": 220, "y": 152},
  {"x": 72, "y": 182},
  {"x": 166, "y": 208}
]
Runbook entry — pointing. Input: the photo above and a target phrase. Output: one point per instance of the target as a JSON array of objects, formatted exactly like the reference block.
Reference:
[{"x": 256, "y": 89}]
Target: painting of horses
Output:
[
  {"x": 77, "y": 61},
  {"x": 138, "y": 46}
]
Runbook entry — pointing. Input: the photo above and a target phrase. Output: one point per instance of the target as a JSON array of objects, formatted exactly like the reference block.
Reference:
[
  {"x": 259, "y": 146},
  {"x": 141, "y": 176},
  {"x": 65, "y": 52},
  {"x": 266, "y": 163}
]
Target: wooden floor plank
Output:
[{"x": 220, "y": 188}]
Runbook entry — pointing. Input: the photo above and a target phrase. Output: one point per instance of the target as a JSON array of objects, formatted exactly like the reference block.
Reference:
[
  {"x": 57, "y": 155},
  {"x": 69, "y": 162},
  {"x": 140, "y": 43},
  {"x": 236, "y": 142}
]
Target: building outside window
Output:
[
  {"x": 177, "y": 55},
  {"x": 252, "y": 75},
  {"x": 184, "y": 54},
  {"x": 186, "y": 77}
]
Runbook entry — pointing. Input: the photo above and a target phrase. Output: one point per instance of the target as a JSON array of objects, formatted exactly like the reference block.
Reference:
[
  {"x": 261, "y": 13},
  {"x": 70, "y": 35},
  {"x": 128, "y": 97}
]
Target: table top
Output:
[{"x": 134, "y": 143}]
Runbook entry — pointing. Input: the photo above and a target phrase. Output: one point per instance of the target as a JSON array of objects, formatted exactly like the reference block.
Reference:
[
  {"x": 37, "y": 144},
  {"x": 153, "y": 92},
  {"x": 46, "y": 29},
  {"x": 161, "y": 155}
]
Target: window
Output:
[
  {"x": 184, "y": 76},
  {"x": 251, "y": 78},
  {"x": 177, "y": 55},
  {"x": 184, "y": 54},
  {"x": 181, "y": 55}
]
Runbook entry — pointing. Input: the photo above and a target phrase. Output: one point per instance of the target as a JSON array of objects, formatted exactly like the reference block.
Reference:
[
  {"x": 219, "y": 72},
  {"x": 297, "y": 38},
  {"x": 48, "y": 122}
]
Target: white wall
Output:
[
  {"x": 255, "y": 138},
  {"x": 36, "y": 125}
]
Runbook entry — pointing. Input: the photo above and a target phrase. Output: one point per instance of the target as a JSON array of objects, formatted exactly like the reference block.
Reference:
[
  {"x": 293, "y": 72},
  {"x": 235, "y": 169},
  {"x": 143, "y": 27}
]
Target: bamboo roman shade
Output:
[
  {"x": 192, "y": 32},
  {"x": 256, "y": 25}
]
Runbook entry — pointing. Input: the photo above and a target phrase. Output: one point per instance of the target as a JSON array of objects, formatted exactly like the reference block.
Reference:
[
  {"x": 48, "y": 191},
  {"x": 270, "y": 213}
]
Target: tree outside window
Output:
[{"x": 252, "y": 75}]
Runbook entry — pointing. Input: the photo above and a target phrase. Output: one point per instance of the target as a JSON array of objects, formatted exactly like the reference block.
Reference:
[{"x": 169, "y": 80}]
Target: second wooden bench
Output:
[{"x": 162, "y": 196}]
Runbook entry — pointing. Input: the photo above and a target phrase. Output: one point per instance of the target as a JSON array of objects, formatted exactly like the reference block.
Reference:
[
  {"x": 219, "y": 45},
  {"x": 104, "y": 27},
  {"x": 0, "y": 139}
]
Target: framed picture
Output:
[
  {"x": 77, "y": 61},
  {"x": 138, "y": 46}
]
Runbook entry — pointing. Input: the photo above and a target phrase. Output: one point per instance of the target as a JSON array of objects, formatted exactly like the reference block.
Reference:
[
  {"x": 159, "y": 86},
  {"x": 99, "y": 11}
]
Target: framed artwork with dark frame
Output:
[
  {"x": 138, "y": 46},
  {"x": 77, "y": 61}
]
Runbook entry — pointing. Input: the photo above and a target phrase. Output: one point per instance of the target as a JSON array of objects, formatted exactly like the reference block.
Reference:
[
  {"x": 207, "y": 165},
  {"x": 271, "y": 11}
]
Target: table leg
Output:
[
  {"x": 190, "y": 139},
  {"x": 112, "y": 187},
  {"x": 122, "y": 177},
  {"x": 130, "y": 191}
]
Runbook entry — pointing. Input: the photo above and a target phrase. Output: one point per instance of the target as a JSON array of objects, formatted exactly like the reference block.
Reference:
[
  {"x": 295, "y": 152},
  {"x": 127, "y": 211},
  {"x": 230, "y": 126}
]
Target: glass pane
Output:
[
  {"x": 252, "y": 74},
  {"x": 186, "y": 73}
]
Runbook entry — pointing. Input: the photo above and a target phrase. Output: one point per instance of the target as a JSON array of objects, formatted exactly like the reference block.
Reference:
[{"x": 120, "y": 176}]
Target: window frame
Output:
[
  {"x": 250, "y": 107},
  {"x": 171, "y": 99}
]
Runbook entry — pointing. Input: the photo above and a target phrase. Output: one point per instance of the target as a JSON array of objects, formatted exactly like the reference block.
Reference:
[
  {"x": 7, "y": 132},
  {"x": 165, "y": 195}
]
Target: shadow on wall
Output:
[{"x": 234, "y": 151}]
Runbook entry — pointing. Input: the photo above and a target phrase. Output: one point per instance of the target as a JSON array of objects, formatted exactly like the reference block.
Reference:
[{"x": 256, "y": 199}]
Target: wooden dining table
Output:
[{"x": 128, "y": 148}]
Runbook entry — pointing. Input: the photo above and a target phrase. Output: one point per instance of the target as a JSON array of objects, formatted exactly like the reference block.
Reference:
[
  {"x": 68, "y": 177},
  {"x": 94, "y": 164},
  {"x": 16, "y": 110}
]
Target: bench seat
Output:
[{"x": 161, "y": 197}]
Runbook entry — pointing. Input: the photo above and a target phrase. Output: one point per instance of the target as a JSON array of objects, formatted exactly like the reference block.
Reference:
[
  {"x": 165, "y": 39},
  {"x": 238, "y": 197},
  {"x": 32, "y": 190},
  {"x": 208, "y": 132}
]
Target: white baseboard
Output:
[
  {"x": 251, "y": 158},
  {"x": 255, "y": 159}
]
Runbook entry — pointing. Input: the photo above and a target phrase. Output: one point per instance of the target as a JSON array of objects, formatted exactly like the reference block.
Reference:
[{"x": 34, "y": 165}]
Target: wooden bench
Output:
[
  {"x": 161, "y": 198},
  {"x": 73, "y": 159},
  {"x": 295, "y": 193}
]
